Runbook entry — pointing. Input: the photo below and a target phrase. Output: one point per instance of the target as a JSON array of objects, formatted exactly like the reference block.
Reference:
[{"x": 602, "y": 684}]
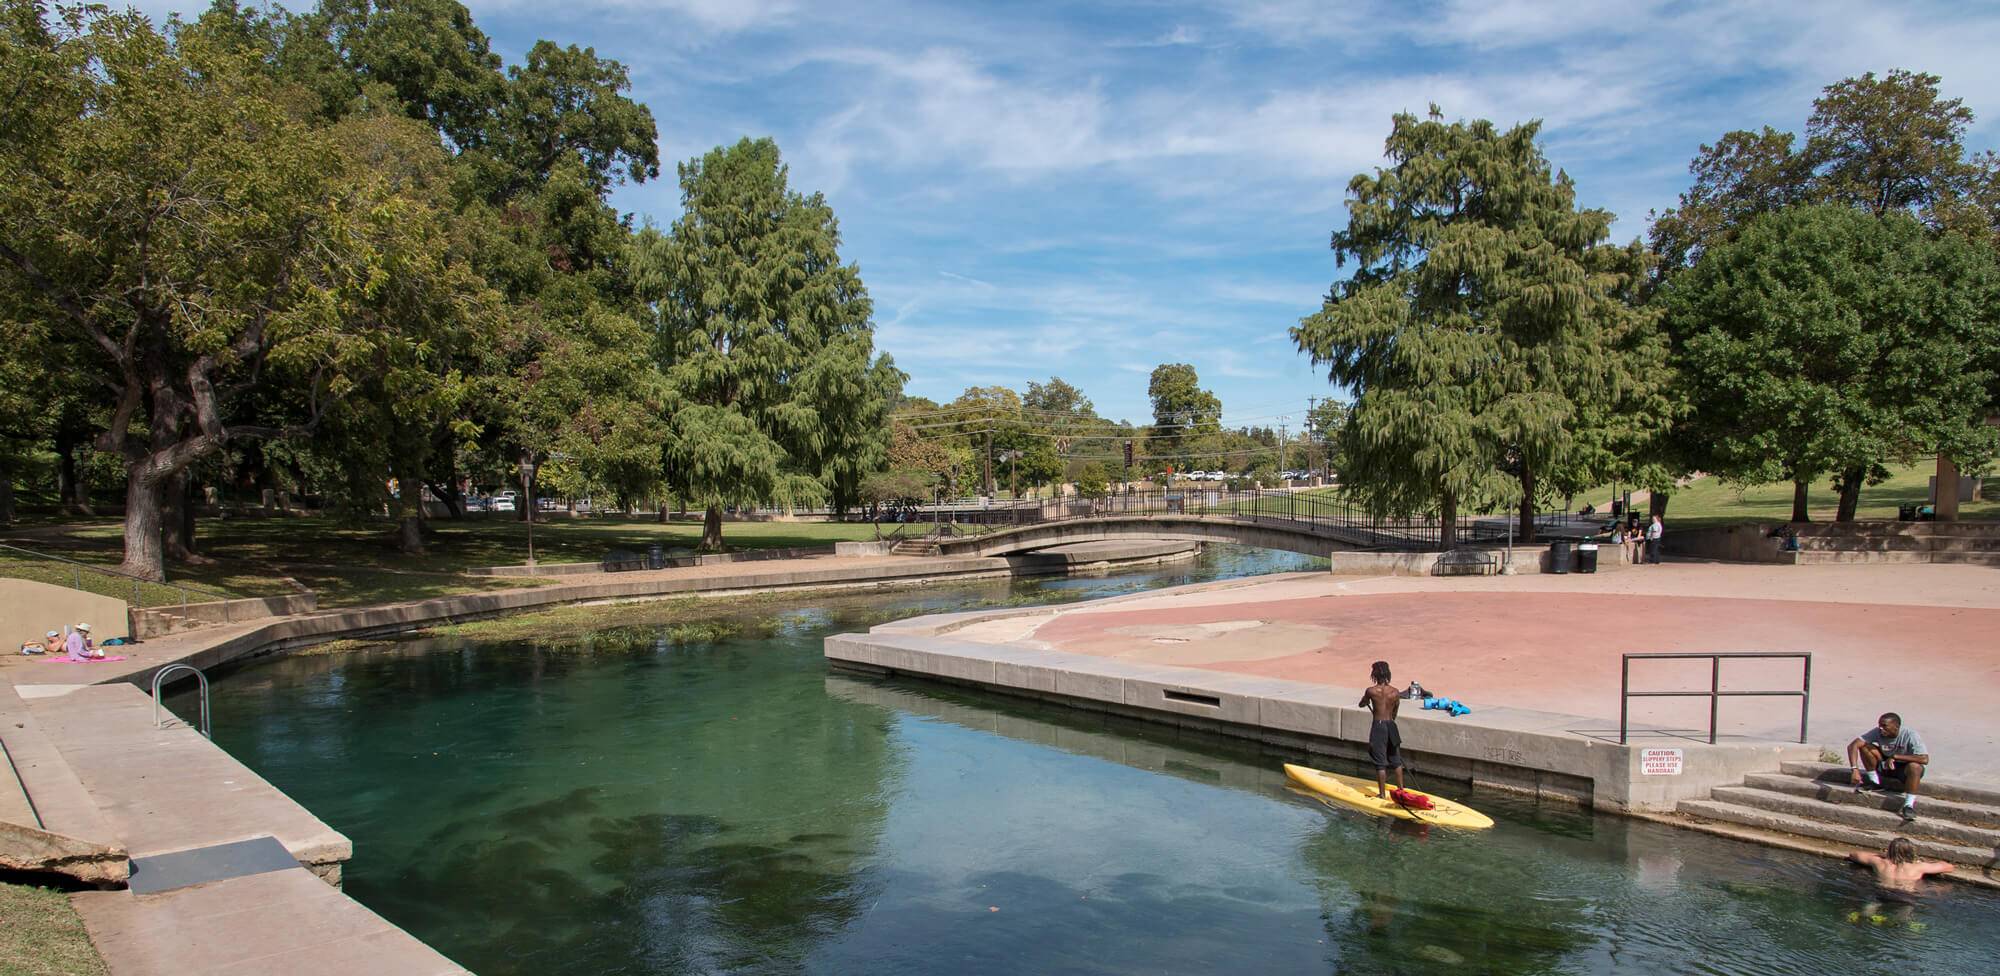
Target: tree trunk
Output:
[
  {"x": 177, "y": 513},
  {"x": 6, "y": 497},
  {"x": 1850, "y": 493},
  {"x": 1527, "y": 529},
  {"x": 1448, "y": 522},
  {"x": 711, "y": 529},
  {"x": 661, "y": 515},
  {"x": 451, "y": 496},
  {"x": 410, "y": 535},
  {"x": 1799, "y": 512},
  {"x": 1656, "y": 503},
  {"x": 143, "y": 556},
  {"x": 70, "y": 493}
]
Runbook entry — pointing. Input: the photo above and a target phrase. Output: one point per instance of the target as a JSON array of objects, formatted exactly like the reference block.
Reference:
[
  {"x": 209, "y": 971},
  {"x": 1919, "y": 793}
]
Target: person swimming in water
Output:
[
  {"x": 1899, "y": 875},
  {"x": 1898, "y": 869}
]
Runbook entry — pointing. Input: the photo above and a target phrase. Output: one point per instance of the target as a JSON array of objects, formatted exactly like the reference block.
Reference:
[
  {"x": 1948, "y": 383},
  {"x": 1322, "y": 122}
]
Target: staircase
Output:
[
  {"x": 1976, "y": 543},
  {"x": 915, "y": 547},
  {"x": 1812, "y": 802}
]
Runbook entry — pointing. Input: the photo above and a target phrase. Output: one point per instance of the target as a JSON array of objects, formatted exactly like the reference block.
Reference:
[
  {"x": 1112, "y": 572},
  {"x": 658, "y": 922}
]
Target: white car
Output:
[{"x": 502, "y": 503}]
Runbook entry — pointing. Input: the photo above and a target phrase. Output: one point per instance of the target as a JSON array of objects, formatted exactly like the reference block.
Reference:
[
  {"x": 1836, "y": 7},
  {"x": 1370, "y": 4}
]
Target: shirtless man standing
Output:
[
  {"x": 1898, "y": 869},
  {"x": 1385, "y": 743}
]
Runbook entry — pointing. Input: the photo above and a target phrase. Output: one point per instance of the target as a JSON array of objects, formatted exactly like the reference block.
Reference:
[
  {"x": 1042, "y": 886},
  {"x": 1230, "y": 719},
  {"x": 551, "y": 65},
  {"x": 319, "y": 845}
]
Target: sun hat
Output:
[
  {"x": 54, "y": 633},
  {"x": 83, "y": 627}
]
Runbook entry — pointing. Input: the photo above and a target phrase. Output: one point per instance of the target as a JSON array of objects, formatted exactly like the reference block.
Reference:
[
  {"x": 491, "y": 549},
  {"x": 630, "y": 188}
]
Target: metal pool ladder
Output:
[{"x": 160, "y": 678}]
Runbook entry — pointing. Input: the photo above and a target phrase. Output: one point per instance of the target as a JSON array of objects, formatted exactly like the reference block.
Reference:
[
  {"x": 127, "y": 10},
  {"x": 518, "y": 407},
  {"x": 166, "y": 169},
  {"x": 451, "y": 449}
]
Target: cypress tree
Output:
[
  {"x": 765, "y": 342},
  {"x": 1484, "y": 333}
]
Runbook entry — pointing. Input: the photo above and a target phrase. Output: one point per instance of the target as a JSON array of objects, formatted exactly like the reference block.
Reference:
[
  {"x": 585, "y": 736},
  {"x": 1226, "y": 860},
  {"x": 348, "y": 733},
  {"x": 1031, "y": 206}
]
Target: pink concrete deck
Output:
[{"x": 1918, "y": 640}]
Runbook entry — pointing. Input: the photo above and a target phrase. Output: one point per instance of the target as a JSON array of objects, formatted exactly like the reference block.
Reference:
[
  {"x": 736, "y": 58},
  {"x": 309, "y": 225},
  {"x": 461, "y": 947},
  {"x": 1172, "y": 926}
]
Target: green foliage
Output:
[
  {"x": 764, "y": 339},
  {"x": 1183, "y": 414},
  {"x": 1884, "y": 145},
  {"x": 1484, "y": 333},
  {"x": 1825, "y": 340}
]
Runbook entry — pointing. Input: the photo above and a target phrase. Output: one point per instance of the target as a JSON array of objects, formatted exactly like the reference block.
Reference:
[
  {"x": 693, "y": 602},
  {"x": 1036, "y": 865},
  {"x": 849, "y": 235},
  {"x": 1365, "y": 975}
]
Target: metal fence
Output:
[{"x": 1335, "y": 513}]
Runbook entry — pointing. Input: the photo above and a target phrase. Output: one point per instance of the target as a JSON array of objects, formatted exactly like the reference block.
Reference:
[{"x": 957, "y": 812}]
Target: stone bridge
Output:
[{"x": 1264, "y": 532}]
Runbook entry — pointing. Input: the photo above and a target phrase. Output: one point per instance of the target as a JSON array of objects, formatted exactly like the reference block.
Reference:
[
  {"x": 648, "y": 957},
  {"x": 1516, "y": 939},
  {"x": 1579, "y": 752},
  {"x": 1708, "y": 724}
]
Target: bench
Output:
[{"x": 1466, "y": 562}]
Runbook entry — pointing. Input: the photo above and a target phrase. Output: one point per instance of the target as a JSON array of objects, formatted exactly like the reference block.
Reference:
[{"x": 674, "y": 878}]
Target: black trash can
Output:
[
  {"x": 656, "y": 557},
  {"x": 1586, "y": 557},
  {"x": 1559, "y": 556},
  {"x": 1906, "y": 513}
]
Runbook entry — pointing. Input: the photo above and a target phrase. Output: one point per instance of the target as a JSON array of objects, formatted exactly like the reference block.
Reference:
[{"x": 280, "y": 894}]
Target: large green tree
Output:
[
  {"x": 1824, "y": 339},
  {"x": 161, "y": 205},
  {"x": 1186, "y": 417},
  {"x": 765, "y": 341},
  {"x": 1483, "y": 333},
  {"x": 1883, "y": 145}
]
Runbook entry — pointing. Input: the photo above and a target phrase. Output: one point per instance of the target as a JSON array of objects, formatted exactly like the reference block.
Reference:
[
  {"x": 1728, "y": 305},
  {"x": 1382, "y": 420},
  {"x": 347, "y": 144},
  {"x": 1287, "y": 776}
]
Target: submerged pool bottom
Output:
[{"x": 638, "y": 801}]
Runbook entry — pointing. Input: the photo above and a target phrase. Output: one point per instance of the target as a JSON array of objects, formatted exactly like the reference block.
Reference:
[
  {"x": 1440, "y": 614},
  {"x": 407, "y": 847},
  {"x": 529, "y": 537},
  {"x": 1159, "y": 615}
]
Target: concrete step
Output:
[
  {"x": 912, "y": 547},
  {"x": 1930, "y": 823},
  {"x": 1982, "y": 859},
  {"x": 1838, "y": 792},
  {"x": 1938, "y": 789},
  {"x": 48, "y": 820},
  {"x": 1967, "y": 558}
]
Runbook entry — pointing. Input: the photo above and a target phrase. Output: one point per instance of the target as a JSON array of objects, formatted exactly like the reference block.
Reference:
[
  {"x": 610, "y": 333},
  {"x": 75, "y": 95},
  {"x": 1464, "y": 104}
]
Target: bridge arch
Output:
[{"x": 1263, "y": 533}]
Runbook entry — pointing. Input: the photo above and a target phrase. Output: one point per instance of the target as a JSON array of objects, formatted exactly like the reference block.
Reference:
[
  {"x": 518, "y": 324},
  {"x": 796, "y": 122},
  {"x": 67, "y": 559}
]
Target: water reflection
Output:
[{"x": 709, "y": 799}]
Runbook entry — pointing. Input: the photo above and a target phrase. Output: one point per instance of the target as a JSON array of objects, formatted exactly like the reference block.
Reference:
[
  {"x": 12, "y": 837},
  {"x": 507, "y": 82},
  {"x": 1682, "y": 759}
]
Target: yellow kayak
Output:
[{"x": 1360, "y": 794}]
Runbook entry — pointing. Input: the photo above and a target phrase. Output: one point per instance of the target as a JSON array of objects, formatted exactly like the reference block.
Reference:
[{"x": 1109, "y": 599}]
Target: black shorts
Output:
[{"x": 1385, "y": 745}]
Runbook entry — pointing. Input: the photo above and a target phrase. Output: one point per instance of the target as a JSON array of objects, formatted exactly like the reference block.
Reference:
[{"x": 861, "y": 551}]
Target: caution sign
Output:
[{"x": 1660, "y": 762}]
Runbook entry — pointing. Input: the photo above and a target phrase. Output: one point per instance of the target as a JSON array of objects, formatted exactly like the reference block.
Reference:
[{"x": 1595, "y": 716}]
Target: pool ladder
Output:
[{"x": 160, "y": 679}]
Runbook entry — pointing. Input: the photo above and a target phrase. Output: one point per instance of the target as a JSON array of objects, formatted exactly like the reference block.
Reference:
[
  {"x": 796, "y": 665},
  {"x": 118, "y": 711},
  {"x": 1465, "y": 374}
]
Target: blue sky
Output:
[{"x": 1035, "y": 189}]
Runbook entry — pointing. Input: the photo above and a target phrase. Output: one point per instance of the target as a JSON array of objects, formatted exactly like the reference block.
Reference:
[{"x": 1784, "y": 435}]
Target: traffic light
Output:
[{"x": 1128, "y": 454}]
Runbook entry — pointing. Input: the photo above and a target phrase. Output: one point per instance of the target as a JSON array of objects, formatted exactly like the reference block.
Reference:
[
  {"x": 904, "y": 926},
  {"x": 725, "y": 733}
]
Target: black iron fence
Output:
[
  {"x": 1331, "y": 512},
  {"x": 1715, "y": 693}
]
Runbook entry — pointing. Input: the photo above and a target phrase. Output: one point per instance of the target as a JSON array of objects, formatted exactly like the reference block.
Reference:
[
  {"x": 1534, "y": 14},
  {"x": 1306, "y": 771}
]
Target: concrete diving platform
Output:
[{"x": 1545, "y": 754}]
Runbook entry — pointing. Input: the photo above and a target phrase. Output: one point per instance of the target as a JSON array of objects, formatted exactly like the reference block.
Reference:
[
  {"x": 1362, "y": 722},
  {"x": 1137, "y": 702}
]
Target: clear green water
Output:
[{"x": 619, "y": 803}]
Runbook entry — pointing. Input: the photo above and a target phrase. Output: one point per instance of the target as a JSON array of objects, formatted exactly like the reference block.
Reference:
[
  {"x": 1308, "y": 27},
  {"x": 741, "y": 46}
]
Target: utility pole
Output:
[
  {"x": 1312, "y": 438},
  {"x": 1282, "y": 434},
  {"x": 989, "y": 464}
]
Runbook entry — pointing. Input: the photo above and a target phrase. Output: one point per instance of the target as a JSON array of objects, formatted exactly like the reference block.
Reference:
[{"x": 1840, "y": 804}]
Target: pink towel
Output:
[{"x": 95, "y": 660}]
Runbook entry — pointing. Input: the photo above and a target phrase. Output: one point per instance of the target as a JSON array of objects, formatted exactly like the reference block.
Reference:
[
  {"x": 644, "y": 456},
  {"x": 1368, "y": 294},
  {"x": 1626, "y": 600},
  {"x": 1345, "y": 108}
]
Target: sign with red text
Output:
[{"x": 1660, "y": 762}]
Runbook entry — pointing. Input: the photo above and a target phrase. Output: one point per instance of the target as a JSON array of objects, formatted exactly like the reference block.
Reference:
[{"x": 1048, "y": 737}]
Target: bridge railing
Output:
[{"x": 1328, "y": 510}]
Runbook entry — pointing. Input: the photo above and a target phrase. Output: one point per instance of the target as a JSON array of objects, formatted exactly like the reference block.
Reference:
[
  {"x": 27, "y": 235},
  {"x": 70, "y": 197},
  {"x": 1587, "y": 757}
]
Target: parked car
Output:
[{"x": 502, "y": 503}]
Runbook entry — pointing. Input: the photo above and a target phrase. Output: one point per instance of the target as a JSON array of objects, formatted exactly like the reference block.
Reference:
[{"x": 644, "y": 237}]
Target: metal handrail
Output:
[
  {"x": 1714, "y": 694},
  {"x": 159, "y": 679},
  {"x": 79, "y": 567}
]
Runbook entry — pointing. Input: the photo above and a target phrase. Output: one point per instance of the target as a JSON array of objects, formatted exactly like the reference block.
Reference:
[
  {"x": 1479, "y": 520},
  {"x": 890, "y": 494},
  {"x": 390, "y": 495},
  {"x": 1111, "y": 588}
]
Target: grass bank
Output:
[
  {"x": 41, "y": 935},
  {"x": 1712, "y": 501},
  {"x": 358, "y": 564}
]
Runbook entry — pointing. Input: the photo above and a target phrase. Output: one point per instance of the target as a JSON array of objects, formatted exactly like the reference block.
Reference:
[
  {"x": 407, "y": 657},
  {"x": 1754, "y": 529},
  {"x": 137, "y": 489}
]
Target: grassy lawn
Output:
[
  {"x": 41, "y": 935},
  {"x": 356, "y": 564},
  {"x": 1711, "y": 501}
]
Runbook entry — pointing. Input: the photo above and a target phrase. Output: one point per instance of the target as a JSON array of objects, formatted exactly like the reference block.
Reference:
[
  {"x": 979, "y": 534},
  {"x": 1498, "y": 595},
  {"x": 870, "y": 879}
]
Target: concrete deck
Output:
[
  {"x": 281, "y": 923},
  {"x": 170, "y": 789},
  {"x": 1884, "y": 638}
]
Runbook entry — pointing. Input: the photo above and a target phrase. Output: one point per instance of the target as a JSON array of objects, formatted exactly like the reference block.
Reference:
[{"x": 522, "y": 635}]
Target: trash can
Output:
[
  {"x": 1906, "y": 513},
  {"x": 656, "y": 557},
  {"x": 1586, "y": 557},
  {"x": 1559, "y": 556}
]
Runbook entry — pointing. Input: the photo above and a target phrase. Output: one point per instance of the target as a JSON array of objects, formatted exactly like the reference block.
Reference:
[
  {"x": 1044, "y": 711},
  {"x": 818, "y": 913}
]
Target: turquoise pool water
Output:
[{"x": 619, "y": 802}]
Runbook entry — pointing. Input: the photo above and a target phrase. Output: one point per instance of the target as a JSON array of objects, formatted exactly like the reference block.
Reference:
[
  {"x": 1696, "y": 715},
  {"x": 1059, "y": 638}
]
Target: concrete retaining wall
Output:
[
  {"x": 1749, "y": 543},
  {"x": 153, "y": 622},
  {"x": 1541, "y": 753},
  {"x": 28, "y": 609},
  {"x": 1527, "y": 559}
]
